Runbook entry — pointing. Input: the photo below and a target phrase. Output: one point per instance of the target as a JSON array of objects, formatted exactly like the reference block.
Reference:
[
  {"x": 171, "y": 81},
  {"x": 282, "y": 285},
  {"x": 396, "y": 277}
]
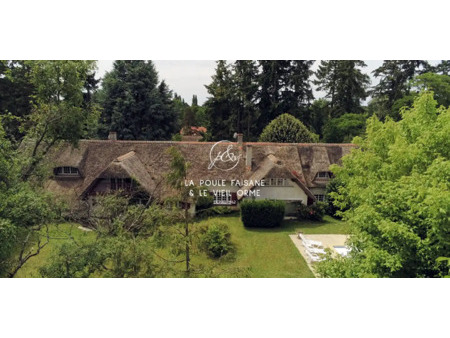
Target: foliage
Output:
[
  {"x": 333, "y": 188},
  {"x": 204, "y": 202},
  {"x": 287, "y": 129},
  {"x": 24, "y": 210},
  {"x": 396, "y": 186},
  {"x": 116, "y": 257},
  {"x": 344, "y": 128},
  {"x": 216, "y": 211},
  {"x": 394, "y": 83},
  {"x": 317, "y": 116},
  {"x": 215, "y": 239},
  {"x": 219, "y": 105},
  {"x": 439, "y": 84},
  {"x": 16, "y": 96},
  {"x": 314, "y": 212},
  {"x": 262, "y": 213},
  {"x": 135, "y": 105},
  {"x": 247, "y": 95},
  {"x": 59, "y": 113},
  {"x": 344, "y": 83}
]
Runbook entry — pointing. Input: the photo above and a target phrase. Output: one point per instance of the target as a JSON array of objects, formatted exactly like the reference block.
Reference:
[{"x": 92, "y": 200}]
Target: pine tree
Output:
[
  {"x": 245, "y": 76},
  {"x": 134, "y": 105},
  {"x": 394, "y": 82},
  {"x": 344, "y": 84},
  {"x": 284, "y": 88},
  {"x": 219, "y": 104}
]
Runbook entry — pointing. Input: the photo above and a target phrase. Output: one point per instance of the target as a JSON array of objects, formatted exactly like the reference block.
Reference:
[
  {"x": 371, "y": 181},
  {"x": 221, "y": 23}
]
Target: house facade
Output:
[{"x": 231, "y": 171}]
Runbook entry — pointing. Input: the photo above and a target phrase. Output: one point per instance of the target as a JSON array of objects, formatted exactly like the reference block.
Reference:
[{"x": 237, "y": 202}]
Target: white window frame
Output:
[
  {"x": 222, "y": 198},
  {"x": 320, "y": 197}
]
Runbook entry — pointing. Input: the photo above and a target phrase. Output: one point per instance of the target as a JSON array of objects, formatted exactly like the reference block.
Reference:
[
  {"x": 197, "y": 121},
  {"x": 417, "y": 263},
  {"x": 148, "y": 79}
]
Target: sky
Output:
[{"x": 189, "y": 77}]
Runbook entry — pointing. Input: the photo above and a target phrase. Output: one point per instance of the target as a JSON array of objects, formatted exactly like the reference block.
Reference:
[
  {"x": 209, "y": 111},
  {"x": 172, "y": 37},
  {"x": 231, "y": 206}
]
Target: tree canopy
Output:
[
  {"x": 344, "y": 84},
  {"x": 287, "y": 129},
  {"x": 135, "y": 104},
  {"x": 396, "y": 187}
]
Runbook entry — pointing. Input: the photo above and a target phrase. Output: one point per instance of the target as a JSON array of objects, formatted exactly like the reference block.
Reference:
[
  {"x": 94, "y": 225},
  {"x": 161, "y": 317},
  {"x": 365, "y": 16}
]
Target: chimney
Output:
[
  {"x": 112, "y": 136},
  {"x": 240, "y": 140},
  {"x": 248, "y": 158}
]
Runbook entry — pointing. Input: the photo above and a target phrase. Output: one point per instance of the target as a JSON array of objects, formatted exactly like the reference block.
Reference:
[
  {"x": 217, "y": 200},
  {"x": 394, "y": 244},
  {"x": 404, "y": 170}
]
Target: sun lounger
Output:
[
  {"x": 309, "y": 242},
  {"x": 316, "y": 250},
  {"x": 313, "y": 257}
]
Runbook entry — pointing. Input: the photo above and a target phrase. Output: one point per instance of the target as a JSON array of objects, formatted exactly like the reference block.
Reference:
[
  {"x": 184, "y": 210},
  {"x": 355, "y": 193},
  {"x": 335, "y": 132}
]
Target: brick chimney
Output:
[
  {"x": 248, "y": 158},
  {"x": 112, "y": 136}
]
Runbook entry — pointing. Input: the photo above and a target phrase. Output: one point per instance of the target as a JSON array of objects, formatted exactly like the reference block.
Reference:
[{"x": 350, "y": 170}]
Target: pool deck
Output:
[{"x": 328, "y": 241}]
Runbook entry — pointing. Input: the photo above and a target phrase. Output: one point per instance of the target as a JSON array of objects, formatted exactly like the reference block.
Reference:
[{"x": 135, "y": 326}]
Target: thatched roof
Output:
[{"x": 148, "y": 161}]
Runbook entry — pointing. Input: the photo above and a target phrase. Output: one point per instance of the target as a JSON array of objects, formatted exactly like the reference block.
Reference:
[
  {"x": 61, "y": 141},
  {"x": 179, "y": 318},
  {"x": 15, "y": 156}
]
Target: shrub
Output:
[
  {"x": 262, "y": 213},
  {"x": 204, "y": 202},
  {"x": 287, "y": 129},
  {"x": 214, "y": 211},
  {"x": 313, "y": 212},
  {"x": 215, "y": 240}
]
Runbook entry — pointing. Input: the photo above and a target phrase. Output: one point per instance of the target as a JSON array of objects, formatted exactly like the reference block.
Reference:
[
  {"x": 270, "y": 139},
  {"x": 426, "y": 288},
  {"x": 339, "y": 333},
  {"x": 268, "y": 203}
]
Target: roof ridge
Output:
[{"x": 125, "y": 156}]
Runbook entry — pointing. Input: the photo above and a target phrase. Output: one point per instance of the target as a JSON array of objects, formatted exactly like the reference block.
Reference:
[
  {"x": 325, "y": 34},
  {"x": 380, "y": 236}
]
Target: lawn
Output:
[
  {"x": 58, "y": 234},
  {"x": 259, "y": 252}
]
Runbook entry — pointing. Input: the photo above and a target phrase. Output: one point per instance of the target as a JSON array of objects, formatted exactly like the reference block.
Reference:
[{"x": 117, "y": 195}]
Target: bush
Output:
[
  {"x": 313, "y": 212},
  {"x": 204, "y": 202},
  {"x": 287, "y": 129},
  {"x": 215, "y": 240},
  {"x": 215, "y": 211},
  {"x": 262, "y": 213}
]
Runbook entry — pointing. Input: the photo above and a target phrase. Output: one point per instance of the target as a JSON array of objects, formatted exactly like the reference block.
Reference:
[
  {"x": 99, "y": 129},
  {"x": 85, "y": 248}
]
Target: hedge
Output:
[{"x": 262, "y": 213}]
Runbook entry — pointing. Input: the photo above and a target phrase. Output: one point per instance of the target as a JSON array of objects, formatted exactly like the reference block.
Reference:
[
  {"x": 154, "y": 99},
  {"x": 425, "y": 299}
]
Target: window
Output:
[
  {"x": 222, "y": 198},
  {"x": 320, "y": 198},
  {"x": 66, "y": 171},
  {"x": 323, "y": 174},
  {"x": 277, "y": 182},
  {"x": 121, "y": 183}
]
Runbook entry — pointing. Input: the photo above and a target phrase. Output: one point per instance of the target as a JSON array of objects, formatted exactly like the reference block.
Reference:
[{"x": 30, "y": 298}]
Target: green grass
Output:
[
  {"x": 259, "y": 252},
  {"x": 58, "y": 234},
  {"x": 270, "y": 252}
]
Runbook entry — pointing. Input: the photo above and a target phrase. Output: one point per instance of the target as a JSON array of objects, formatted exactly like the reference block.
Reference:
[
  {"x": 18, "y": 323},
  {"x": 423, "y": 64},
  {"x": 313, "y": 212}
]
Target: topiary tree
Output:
[{"x": 287, "y": 129}]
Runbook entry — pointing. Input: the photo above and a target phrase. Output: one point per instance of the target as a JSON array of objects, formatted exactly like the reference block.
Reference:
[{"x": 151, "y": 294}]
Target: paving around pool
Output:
[{"x": 334, "y": 242}]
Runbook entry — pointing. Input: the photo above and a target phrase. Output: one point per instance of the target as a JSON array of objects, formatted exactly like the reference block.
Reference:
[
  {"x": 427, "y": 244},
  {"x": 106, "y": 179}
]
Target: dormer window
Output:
[{"x": 66, "y": 171}]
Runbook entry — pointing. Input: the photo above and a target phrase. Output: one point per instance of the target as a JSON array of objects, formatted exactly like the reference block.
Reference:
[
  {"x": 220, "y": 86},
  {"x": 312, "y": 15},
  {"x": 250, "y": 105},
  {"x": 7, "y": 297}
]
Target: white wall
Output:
[{"x": 294, "y": 193}]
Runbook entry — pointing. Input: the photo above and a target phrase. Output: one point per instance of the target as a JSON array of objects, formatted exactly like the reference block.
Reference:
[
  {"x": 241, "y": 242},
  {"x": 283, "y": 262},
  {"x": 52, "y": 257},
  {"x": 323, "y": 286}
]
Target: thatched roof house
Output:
[{"x": 292, "y": 172}]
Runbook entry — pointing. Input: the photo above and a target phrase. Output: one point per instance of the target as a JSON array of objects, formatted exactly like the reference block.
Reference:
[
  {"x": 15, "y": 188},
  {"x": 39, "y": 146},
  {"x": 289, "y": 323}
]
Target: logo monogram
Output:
[{"x": 223, "y": 160}]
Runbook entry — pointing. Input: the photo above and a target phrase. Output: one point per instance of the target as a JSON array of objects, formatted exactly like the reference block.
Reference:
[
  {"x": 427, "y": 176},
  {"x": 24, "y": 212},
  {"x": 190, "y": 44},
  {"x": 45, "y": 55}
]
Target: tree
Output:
[
  {"x": 397, "y": 189},
  {"x": 134, "y": 105},
  {"x": 442, "y": 68},
  {"x": 344, "y": 84},
  {"x": 439, "y": 84},
  {"x": 186, "y": 196},
  {"x": 25, "y": 210},
  {"x": 245, "y": 77},
  {"x": 287, "y": 129},
  {"x": 344, "y": 128},
  {"x": 123, "y": 245},
  {"x": 317, "y": 116},
  {"x": 219, "y": 104},
  {"x": 59, "y": 113},
  {"x": 394, "y": 82},
  {"x": 284, "y": 87},
  {"x": 16, "y": 96}
]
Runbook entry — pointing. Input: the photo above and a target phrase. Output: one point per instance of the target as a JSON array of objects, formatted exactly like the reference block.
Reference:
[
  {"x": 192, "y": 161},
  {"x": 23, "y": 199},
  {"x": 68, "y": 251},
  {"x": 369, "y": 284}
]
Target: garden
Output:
[{"x": 258, "y": 252}]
